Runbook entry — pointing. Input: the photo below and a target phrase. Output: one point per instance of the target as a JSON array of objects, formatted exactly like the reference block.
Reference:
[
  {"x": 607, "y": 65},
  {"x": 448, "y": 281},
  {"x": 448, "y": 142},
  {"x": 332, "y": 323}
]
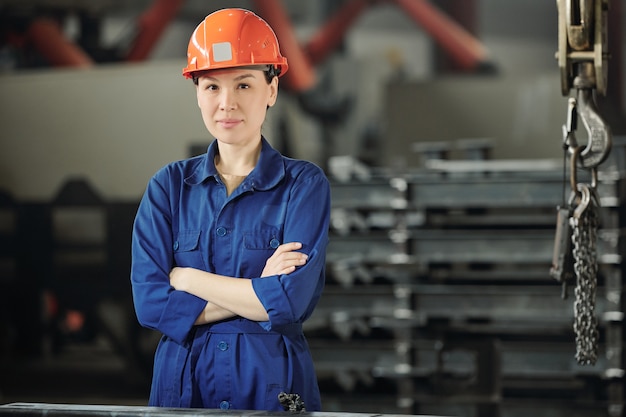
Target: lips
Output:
[{"x": 228, "y": 123}]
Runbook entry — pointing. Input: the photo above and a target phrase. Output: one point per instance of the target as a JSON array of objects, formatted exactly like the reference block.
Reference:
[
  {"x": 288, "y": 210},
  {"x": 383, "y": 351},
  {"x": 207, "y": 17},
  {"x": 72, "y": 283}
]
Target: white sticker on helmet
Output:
[{"x": 222, "y": 52}]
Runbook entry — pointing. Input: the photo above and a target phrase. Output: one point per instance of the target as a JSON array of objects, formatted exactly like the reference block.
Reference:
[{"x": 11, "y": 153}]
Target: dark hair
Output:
[{"x": 270, "y": 73}]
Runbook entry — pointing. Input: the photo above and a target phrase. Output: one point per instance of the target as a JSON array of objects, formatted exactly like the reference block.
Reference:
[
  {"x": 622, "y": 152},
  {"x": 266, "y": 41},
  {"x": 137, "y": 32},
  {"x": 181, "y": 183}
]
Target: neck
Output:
[{"x": 236, "y": 160}]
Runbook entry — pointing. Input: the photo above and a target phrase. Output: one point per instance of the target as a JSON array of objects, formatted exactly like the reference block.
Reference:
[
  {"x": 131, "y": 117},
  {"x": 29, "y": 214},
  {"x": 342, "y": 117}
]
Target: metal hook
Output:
[
  {"x": 599, "y": 134},
  {"x": 584, "y": 106}
]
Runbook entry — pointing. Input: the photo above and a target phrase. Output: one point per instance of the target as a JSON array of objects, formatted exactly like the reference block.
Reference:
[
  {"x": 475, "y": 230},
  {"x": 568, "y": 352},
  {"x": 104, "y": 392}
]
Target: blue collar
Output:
[{"x": 268, "y": 172}]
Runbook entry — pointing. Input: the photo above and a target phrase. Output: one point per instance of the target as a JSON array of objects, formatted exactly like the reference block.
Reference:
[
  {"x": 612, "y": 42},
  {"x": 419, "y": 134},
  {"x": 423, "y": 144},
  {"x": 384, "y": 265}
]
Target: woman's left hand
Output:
[{"x": 284, "y": 260}]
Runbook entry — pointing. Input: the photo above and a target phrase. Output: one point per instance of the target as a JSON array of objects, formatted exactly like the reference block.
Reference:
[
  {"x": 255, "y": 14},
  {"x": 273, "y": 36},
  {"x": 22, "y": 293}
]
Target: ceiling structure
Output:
[
  {"x": 30, "y": 29},
  {"x": 42, "y": 33}
]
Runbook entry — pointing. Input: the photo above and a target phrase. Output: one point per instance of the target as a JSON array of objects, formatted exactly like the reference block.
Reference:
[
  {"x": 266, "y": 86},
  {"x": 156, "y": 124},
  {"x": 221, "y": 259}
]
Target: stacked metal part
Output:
[{"x": 439, "y": 297}]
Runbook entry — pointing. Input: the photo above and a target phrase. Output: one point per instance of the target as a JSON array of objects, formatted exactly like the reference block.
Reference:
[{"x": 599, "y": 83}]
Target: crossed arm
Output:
[{"x": 229, "y": 297}]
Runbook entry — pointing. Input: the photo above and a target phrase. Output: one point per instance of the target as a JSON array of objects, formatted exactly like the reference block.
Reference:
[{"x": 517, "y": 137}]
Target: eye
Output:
[
  {"x": 243, "y": 86},
  {"x": 211, "y": 87}
]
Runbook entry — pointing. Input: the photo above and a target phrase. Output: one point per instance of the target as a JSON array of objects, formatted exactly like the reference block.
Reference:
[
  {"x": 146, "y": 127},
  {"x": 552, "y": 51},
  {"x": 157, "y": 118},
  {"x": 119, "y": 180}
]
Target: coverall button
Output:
[
  {"x": 274, "y": 243},
  {"x": 221, "y": 231},
  {"x": 222, "y": 346},
  {"x": 176, "y": 245},
  {"x": 224, "y": 405}
]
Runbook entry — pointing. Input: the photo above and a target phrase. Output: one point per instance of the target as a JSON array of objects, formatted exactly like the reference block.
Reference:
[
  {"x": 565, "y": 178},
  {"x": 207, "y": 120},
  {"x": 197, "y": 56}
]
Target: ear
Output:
[
  {"x": 273, "y": 86},
  {"x": 197, "y": 94}
]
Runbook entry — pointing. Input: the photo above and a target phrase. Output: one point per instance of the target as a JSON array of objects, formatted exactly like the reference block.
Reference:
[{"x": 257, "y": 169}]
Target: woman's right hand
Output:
[{"x": 284, "y": 260}]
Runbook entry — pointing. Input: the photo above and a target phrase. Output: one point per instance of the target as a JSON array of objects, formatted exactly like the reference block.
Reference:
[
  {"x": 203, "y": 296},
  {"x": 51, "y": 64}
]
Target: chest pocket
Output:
[
  {"x": 258, "y": 247},
  {"x": 262, "y": 240},
  {"x": 187, "y": 251}
]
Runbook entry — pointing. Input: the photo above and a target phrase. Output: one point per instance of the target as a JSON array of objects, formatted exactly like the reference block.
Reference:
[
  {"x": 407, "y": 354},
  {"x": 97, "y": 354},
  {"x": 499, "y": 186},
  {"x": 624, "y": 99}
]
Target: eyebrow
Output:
[{"x": 238, "y": 78}]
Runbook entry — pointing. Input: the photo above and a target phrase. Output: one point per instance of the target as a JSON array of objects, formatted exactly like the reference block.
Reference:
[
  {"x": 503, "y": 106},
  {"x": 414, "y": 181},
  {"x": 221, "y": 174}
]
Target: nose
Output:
[{"x": 227, "y": 100}]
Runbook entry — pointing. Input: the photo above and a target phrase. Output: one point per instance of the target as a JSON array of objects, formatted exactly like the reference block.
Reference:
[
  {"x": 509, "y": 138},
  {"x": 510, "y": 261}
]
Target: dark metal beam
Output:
[{"x": 83, "y": 410}]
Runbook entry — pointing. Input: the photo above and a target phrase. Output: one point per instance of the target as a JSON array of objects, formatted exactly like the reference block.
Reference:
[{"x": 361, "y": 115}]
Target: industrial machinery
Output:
[
  {"x": 439, "y": 280},
  {"x": 441, "y": 277},
  {"x": 582, "y": 58}
]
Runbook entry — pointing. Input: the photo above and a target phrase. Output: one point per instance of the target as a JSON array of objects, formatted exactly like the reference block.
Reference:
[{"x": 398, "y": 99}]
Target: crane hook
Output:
[{"x": 598, "y": 131}]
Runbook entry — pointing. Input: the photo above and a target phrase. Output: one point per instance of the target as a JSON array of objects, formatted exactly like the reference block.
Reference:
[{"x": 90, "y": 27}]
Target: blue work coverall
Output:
[{"x": 186, "y": 219}]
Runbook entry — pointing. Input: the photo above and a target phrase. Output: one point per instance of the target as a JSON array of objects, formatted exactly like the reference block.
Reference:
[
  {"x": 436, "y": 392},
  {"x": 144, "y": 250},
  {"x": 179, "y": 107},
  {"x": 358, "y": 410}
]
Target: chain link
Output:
[{"x": 584, "y": 238}]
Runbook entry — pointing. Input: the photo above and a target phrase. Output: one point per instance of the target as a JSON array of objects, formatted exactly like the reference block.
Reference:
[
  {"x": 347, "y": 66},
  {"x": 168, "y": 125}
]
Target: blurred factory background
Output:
[{"x": 439, "y": 124}]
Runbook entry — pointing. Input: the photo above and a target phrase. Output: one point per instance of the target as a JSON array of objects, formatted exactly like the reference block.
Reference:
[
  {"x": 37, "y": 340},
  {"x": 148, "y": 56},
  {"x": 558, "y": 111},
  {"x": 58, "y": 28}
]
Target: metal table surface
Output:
[{"x": 48, "y": 409}]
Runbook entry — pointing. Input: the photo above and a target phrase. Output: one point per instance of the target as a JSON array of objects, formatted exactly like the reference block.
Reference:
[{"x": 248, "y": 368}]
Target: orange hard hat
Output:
[{"x": 233, "y": 38}]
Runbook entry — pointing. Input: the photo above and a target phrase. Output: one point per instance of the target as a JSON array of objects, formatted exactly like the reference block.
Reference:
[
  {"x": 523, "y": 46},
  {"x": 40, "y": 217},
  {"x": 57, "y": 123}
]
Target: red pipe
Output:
[
  {"x": 47, "y": 37},
  {"x": 301, "y": 76},
  {"x": 151, "y": 24},
  {"x": 464, "y": 48},
  {"x": 333, "y": 32}
]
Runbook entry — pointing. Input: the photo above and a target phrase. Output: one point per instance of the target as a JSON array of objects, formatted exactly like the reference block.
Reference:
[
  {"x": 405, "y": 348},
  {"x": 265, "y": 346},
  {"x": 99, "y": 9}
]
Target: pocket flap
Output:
[
  {"x": 263, "y": 240},
  {"x": 187, "y": 241}
]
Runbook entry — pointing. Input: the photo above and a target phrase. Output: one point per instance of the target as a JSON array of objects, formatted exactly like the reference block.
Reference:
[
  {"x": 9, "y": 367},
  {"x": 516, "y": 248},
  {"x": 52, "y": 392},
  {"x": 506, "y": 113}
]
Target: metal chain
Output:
[
  {"x": 584, "y": 238},
  {"x": 291, "y": 402}
]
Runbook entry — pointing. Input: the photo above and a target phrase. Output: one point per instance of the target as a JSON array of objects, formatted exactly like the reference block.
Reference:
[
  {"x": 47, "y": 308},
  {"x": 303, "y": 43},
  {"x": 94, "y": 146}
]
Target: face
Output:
[{"x": 233, "y": 103}]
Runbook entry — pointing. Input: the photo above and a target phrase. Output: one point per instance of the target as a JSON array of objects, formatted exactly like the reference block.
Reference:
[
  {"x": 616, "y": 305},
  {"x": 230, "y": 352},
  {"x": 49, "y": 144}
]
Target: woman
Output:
[{"x": 229, "y": 247}]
